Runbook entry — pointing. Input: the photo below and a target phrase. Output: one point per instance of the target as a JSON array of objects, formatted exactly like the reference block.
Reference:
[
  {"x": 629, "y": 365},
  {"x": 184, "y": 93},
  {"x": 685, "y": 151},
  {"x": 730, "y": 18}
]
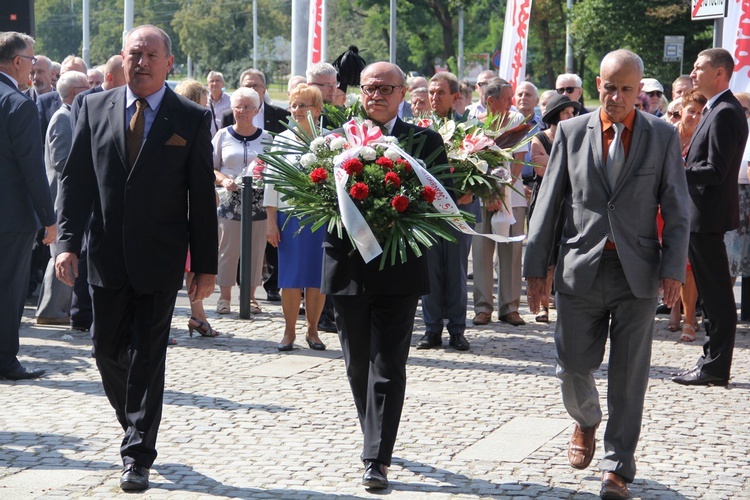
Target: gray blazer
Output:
[
  {"x": 57, "y": 146},
  {"x": 576, "y": 185}
]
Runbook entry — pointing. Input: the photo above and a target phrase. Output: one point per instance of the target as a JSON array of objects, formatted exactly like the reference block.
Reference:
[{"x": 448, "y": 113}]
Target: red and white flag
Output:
[
  {"x": 736, "y": 40},
  {"x": 316, "y": 36},
  {"x": 515, "y": 42}
]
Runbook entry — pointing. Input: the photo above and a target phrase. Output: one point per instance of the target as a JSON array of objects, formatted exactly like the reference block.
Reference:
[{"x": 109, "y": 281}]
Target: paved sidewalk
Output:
[{"x": 242, "y": 420}]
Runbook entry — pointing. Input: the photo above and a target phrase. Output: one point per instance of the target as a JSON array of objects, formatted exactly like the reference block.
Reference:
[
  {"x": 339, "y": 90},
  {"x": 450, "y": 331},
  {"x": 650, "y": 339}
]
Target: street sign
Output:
[
  {"x": 496, "y": 59},
  {"x": 673, "y": 48},
  {"x": 707, "y": 9}
]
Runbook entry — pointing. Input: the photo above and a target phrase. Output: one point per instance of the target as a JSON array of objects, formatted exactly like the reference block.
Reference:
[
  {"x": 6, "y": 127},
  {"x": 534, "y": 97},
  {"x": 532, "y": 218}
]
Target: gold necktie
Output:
[{"x": 135, "y": 131}]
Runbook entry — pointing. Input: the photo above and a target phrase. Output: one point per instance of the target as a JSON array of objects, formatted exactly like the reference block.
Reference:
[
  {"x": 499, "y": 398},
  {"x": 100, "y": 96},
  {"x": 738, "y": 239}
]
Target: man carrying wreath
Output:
[{"x": 375, "y": 308}]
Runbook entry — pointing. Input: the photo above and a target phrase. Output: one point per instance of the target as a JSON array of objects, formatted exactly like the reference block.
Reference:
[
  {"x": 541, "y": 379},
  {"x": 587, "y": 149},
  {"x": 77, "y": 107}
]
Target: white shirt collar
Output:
[
  {"x": 15, "y": 82},
  {"x": 710, "y": 103},
  {"x": 389, "y": 125}
]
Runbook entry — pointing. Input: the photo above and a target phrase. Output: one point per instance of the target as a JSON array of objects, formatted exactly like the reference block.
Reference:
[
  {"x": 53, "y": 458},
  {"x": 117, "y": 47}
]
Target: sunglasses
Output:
[
  {"x": 653, "y": 93},
  {"x": 673, "y": 114},
  {"x": 566, "y": 90}
]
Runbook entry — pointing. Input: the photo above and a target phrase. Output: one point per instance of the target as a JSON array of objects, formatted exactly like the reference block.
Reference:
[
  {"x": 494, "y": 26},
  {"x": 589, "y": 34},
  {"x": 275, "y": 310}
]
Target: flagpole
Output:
[{"x": 392, "y": 54}]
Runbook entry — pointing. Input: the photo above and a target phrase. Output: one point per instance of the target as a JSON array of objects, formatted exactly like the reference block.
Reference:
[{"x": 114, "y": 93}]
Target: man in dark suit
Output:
[
  {"x": 50, "y": 102},
  {"x": 141, "y": 157},
  {"x": 25, "y": 196},
  {"x": 375, "y": 309},
  {"x": 713, "y": 162},
  {"x": 608, "y": 173}
]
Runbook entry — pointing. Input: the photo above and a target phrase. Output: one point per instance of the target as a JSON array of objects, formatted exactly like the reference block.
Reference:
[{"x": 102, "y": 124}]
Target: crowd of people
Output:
[{"x": 136, "y": 189}]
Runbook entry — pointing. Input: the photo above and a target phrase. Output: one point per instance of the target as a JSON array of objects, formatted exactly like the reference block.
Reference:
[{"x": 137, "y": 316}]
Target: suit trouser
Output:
[
  {"x": 15, "y": 264},
  {"x": 448, "y": 298},
  {"x": 130, "y": 334},
  {"x": 375, "y": 333},
  {"x": 708, "y": 258},
  {"x": 580, "y": 339},
  {"x": 509, "y": 278},
  {"x": 55, "y": 296},
  {"x": 80, "y": 304}
]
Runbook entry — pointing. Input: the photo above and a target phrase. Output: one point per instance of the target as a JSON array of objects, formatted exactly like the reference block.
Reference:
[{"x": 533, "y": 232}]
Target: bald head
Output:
[
  {"x": 383, "y": 90},
  {"x": 73, "y": 63},
  {"x": 114, "y": 74},
  {"x": 621, "y": 59}
]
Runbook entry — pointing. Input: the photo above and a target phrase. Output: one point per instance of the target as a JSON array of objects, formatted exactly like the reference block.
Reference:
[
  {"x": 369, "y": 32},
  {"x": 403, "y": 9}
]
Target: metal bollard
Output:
[
  {"x": 745, "y": 299},
  {"x": 246, "y": 246}
]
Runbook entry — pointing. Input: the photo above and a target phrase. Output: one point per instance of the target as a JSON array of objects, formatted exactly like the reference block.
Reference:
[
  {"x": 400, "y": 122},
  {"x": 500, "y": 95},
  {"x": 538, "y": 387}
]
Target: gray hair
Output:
[
  {"x": 12, "y": 43},
  {"x": 244, "y": 92},
  {"x": 213, "y": 74},
  {"x": 253, "y": 72},
  {"x": 570, "y": 76},
  {"x": 495, "y": 87},
  {"x": 69, "y": 80},
  {"x": 528, "y": 84},
  {"x": 450, "y": 78},
  {"x": 320, "y": 69},
  {"x": 420, "y": 90},
  {"x": 164, "y": 36}
]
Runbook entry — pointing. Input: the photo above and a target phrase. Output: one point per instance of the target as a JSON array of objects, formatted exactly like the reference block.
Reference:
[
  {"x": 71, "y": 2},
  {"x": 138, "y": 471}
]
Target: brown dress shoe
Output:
[
  {"x": 482, "y": 318},
  {"x": 513, "y": 318},
  {"x": 614, "y": 487},
  {"x": 581, "y": 447}
]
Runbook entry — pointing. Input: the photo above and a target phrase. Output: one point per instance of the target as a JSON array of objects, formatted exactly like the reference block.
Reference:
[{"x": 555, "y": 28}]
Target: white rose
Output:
[
  {"x": 367, "y": 153},
  {"x": 392, "y": 154},
  {"x": 337, "y": 143},
  {"x": 389, "y": 139},
  {"x": 307, "y": 160},
  {"x": 317, "y": 143}
]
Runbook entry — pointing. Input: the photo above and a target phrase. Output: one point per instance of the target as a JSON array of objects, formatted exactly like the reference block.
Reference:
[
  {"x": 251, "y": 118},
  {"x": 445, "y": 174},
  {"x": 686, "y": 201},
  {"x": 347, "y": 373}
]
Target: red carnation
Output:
[
  {"x": 359, "y": 191},
  {"x": 400, "y": 203},
  {"x": 384, "y": 162},
  {"x": 352, "y": 166},
  {"x": 428, "y": 194},
  {"x": 392, "y": 179},
  {"x": 405, "y": 164},
  {"x": 318, "y": 175}
]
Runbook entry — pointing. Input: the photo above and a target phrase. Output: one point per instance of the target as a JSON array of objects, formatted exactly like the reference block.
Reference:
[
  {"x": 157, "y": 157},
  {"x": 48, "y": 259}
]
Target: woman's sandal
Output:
[
  {"x": 543, "y": 316},
  {"x": 688, "y": 333},
  {"x": 202, "y": 327},
  {"x": 222, "y": 306}
]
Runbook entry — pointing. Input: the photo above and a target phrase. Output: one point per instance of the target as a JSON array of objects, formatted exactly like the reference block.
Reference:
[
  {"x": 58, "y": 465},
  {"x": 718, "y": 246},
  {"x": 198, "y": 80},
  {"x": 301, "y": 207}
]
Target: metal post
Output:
[
  {"x": 392, "y": 52},
  {"x": 86, "y": 22},
  {"x": 128, "y": 21},
  {"x": 246, "y": 246},
  {"x": 255, "y": 34},
  {"x": 745, "y": 300},
  {"x": 461, "y": 44},
  {"x": 568, "y": 44}
]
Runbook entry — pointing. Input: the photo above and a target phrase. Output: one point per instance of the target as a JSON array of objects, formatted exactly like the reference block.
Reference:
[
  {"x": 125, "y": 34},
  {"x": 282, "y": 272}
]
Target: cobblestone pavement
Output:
[{"x": 242, "y": 420}]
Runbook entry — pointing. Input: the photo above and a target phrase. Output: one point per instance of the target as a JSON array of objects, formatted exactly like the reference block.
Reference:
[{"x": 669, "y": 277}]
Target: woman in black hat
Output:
[{"x": 559, "y": 108}]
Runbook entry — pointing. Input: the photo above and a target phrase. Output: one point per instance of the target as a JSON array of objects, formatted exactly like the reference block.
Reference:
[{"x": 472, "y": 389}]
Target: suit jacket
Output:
[
  {"x": 144, "y": 218},
  {"x": 47, "y": 104},
  {"x": 713, "y": 162},
  {"x": 75, "y": 108},
  {"x": 57, "y": 146},
  {"x": 576, "y": 184},
  {"x": 25, "y": 201},
  {"x": 274, "y": 118},
  {"x": 344, "y": 270}
]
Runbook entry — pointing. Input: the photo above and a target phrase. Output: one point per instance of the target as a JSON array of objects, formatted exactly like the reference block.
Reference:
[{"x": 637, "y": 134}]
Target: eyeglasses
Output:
[
  {"x": 296, "y": 106},
  {"x": 676, "y": 114},
  {"x": 254, "y": 86},
  {"x": 383, "y": 89},
  {"x": 325, "y": 85},
  {"x": 653, "y": 93},
  {"x": 566, "y": 90},
  {"x": 33, "y": 59},
  {"x": 244, "y": 109}
]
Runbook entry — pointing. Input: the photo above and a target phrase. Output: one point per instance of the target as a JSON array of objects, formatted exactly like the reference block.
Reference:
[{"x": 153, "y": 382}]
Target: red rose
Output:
[
  {"x": 428, "y": 194},
  {"x": 405, "y": 164},
  {"x": 392, "y": 179},
  {"x": 359, "y": 191},
  {"x": 384, "y": 162},
  {"x": 352, "y": 166},
  {"x": 400, "y": 203},
  {"x": 318, "y": 175}
]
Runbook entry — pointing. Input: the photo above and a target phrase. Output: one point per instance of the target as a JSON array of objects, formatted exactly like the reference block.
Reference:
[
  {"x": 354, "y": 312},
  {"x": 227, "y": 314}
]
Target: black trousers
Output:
[
  {"x": 130, "y": 333},
  {"x": 15, "y": 263},
  {"x": 375, "y": 333},
  {"x": 708, "y": 258}
]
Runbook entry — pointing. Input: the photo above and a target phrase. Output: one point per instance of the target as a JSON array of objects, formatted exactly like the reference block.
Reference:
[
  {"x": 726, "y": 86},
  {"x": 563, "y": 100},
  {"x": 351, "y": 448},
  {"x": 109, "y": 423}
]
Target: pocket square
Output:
[{"x": 175, "y": 140}]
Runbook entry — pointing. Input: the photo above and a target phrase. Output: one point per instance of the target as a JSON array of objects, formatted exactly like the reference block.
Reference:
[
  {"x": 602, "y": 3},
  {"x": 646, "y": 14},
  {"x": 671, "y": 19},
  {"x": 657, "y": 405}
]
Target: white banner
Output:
[
  {"x": 316, "y": 43},
  {"x": 737, "y": 41},
  {"x": 515, "y": 42}
]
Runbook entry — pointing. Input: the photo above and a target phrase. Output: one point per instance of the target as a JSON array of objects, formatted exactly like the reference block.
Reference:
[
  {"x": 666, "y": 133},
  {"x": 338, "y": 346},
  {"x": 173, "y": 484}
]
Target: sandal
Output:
[
  {"x": 255, "y": 307},
  {"x": 543, "y": 316},
  {"x": 202, "y": 327},
  {"x": 222, "y": 306},
  {"x": 673, "y": 327},
  {"x": 688, "y": 333}
]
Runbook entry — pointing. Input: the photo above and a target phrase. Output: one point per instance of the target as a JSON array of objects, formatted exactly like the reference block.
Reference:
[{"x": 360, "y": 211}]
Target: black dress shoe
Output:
[
  {"x": 134, "y": 478},
  {"x": 22, "y": 373},
  {"x": 375, "y": 476},
  {"x": 273, "y": 296},
  {"x": 699, "y": 377},
  {"x": 286, "y": 347},
  {"x": 430, "y": 340},
  {"x": 459, "y": 342},
  {"x": 326, "y": 325},
  {"x": 315, "y": 346}
]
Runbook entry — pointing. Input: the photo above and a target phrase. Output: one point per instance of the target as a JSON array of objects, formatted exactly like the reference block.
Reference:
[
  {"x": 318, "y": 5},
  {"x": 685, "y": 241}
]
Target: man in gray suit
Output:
[
  {"x": 611, "y": 264},
  {"x": 24, "y": 195}
]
